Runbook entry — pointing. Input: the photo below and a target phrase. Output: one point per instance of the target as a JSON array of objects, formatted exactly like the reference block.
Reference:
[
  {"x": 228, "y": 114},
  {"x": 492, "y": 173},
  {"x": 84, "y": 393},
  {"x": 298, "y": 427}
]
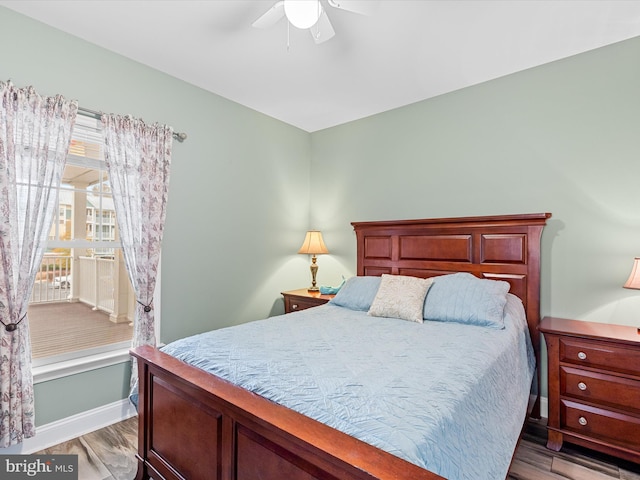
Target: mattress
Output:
[{"x": 446, "y": 396}]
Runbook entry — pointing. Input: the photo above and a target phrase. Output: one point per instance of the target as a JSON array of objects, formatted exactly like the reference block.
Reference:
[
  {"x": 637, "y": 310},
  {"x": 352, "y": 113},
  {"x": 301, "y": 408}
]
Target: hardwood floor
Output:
[
  {"x": 533, "y": 461},
  {"x": 106, "y": 454},
  {"x": 109, "y": 454}
]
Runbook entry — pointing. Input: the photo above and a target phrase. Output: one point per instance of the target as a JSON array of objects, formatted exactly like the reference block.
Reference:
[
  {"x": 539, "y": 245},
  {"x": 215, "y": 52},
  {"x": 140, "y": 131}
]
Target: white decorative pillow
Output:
[{"x": 400, "y": 296}]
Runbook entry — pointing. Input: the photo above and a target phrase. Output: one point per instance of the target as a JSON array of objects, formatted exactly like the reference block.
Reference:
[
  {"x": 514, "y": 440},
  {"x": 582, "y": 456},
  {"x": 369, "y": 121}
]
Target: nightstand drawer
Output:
[
  {"x": 594, "y": 422},
  {"x": 599, "y": 354},
  {"x": 298, "y": 303},
  {"x": 600, "y": 388},
  {"x": 295, "y": 300}
]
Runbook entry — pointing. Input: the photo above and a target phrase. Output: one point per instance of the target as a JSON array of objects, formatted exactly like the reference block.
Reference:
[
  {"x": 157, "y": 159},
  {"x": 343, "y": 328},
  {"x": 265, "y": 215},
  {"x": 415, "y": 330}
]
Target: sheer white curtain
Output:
[
  {"x": 35, "y": 133},
  {"x": 138, "y": 158}
]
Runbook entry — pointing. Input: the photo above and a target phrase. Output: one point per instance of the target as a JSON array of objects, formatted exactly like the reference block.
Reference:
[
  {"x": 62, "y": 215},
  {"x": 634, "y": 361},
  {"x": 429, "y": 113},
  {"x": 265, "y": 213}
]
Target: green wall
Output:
[
  {"x": 561, "y": 138},
  {"x": 56, "y": 399},
  {"x": 238, "y": 203}
]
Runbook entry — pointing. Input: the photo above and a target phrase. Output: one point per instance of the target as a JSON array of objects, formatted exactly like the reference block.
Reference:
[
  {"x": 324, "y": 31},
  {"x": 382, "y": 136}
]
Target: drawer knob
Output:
[
  {"x": 294, "y": 306},
  {"x": 582, "y": 421},
  {"x": 582, "y": 355},
  {"x": 582, "y": 386}
]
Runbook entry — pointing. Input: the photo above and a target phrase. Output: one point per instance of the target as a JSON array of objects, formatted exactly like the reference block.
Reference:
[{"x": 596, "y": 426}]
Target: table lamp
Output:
[
  {"x": 634, "y": 278},
  {"x": 313, "y": 245}
]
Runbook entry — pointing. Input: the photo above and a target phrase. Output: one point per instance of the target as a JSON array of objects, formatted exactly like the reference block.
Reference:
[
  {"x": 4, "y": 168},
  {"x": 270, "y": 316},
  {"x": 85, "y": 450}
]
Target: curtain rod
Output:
[{"x": 181, "y": 137}]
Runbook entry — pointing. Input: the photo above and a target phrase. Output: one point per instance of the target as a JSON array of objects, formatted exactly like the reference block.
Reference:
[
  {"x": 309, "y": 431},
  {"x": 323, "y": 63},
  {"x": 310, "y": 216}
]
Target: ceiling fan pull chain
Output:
[
  {"x": 317, "y": 24},
  {"x": 288, "y": 36}
]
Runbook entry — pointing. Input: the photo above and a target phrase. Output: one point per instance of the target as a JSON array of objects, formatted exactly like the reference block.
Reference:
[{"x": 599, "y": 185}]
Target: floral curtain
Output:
[
  {"x": 35, "y": 133},
  {"x": 138, "y": 158}
]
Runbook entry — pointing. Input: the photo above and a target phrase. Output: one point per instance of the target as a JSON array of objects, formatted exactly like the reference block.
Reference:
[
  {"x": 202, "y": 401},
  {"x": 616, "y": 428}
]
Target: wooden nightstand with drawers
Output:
[
  {"x": 295, "y": 300},
  {"x": 594, "y": 386}
]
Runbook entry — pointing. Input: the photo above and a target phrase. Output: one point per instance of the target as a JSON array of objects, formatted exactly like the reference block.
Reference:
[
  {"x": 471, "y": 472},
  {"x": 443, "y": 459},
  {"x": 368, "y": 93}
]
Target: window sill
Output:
[{"x": 53, "y": 371}]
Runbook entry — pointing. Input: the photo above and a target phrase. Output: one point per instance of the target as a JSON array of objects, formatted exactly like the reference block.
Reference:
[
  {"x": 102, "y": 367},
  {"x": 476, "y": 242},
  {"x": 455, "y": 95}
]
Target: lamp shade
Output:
[
  {"x": 313, "y": 243},
  {"x": 634, "y": 278}
]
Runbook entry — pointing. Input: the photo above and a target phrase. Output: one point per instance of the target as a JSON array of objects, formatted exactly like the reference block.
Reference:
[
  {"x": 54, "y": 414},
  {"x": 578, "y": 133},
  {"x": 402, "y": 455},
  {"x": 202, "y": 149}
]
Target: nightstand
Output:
[
  {"x": 594, "y": 386},
  {"x": 295, "y": 300}
]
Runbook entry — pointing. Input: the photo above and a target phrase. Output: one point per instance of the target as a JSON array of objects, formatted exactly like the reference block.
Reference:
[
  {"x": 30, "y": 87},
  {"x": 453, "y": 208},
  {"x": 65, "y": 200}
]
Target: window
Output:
[{"x": 82, "y": 302}]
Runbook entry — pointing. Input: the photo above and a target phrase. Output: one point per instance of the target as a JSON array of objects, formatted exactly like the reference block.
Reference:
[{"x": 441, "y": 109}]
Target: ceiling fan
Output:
[{"x": 310, "y": 14}]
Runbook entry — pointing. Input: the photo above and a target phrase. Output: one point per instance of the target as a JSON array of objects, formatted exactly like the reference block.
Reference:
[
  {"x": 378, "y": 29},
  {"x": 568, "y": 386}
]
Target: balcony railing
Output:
[
  {"x": 91, "y": 280},
  {"x": 53, "y": 281},
  {"x": 96, "y": 286}
]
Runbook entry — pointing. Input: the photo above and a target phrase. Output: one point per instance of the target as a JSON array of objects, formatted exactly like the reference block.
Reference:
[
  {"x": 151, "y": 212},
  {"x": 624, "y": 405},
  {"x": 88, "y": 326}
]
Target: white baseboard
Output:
[
  {"x": 72, "y": 427},
  {"x": 544, "y": 407}
]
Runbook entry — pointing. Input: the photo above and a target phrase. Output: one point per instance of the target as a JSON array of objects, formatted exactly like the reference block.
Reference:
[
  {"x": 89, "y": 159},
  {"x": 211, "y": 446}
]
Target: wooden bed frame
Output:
[{"x": 194, "y": 425}]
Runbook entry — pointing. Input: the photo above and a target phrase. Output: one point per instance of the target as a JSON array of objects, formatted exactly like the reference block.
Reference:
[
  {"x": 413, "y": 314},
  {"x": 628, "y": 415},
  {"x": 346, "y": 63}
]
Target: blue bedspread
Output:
[{"x": 448, "y": 397}]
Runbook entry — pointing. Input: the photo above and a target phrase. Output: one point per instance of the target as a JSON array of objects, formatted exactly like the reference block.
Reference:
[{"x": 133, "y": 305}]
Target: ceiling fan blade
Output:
[
  {"x": 363, "y": 7},
  {"x": 322, "y": 30},
  {"x": 271, "y": 16}
]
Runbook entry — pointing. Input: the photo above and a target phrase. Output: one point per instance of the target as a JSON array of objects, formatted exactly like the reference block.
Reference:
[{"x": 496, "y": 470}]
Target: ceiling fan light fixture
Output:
[{"x": 302, "y": 14}]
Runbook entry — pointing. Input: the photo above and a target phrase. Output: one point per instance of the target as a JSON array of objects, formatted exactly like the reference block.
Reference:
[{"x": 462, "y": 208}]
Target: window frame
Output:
[{"x": 78, "y": 361}]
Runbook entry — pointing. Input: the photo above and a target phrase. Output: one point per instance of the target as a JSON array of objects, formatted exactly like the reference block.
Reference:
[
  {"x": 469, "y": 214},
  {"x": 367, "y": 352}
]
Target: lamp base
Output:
[{"x": 314, "y": 271}]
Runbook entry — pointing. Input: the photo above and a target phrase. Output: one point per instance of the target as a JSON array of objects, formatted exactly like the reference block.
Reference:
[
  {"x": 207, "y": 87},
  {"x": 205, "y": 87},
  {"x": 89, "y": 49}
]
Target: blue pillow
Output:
[
  {"x": 357, "y": 293},
  {"x": 465, "y": 298}
]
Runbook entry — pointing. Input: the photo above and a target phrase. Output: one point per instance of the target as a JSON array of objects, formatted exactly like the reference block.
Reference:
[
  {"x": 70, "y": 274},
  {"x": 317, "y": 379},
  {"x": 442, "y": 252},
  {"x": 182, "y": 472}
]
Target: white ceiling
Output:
[{"x": 406, "y": 52}]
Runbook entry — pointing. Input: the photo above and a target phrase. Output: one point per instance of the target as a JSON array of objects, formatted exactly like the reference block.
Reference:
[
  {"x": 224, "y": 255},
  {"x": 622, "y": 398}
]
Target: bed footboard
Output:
[{"x": 196, "y": 426}]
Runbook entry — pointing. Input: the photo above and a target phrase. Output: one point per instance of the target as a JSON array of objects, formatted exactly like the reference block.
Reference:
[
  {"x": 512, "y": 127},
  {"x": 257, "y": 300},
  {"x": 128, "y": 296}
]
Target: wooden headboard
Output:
[{"x": 503, "y": 247}]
